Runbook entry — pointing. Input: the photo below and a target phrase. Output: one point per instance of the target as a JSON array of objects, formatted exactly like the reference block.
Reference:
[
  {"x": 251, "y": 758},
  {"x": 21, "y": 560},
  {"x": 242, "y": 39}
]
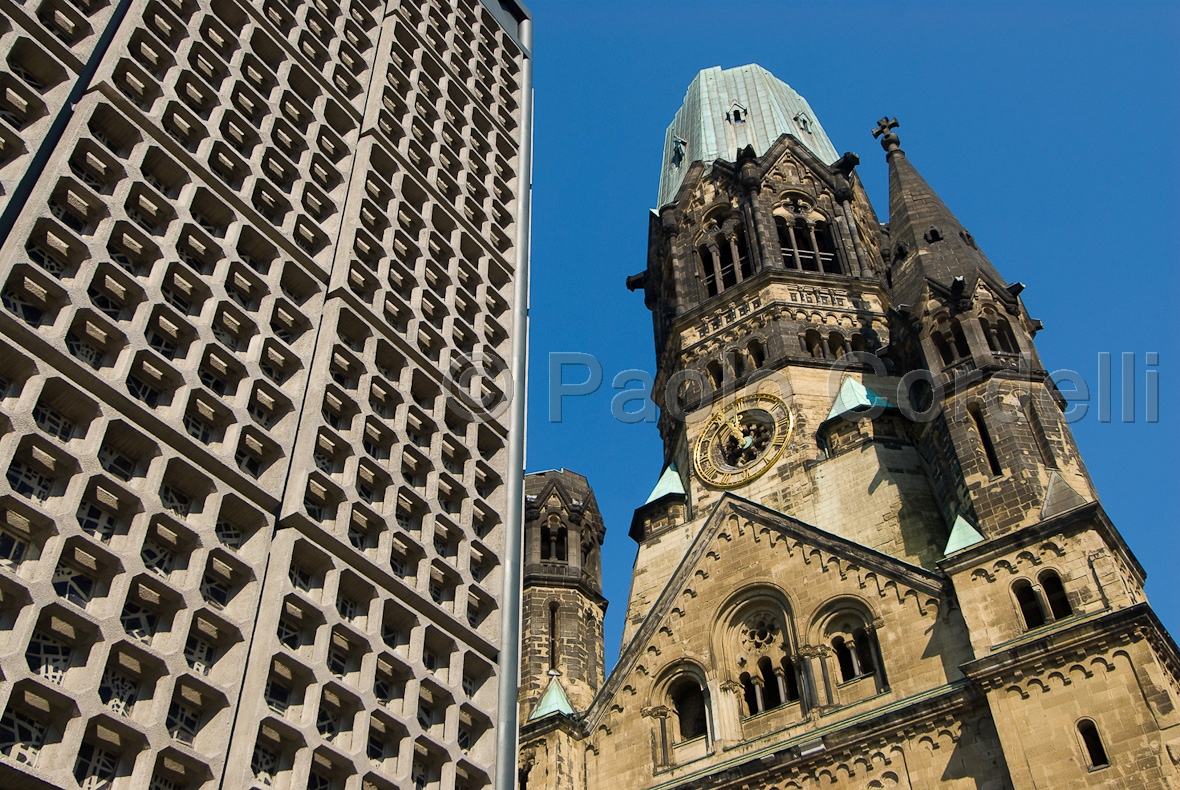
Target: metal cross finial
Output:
[{"x": 889, "y": 140}]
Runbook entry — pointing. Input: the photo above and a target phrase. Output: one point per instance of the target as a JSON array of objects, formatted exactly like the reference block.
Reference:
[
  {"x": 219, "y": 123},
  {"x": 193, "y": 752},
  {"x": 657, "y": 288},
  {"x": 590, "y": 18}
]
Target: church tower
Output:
[
  {"x": 561, "y": 659},
  {"x": 873, "y": 557}
]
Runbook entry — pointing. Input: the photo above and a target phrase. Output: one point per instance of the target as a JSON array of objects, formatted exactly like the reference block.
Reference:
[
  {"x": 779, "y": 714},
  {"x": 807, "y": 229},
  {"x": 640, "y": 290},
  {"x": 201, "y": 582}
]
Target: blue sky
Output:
[{"x": 1048, "y": 128}]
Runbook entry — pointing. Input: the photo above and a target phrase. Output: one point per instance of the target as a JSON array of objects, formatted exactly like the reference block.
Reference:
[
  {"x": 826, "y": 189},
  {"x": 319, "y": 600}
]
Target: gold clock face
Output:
[{"x": 743, "y": 440}]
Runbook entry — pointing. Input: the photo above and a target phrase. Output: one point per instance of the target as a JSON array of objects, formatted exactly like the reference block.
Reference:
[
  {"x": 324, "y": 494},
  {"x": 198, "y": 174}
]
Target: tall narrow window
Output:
[
  {"x": 771, "y": 695},
  {"x": 961, "y": 346},
  {"x": 1038, "y": 431},
  {"x": 553, "y": 635},
  {"x": 844, "y": 658},
  {"x": 688, "y": 699},
  {"x": 1030, "y": 607},
  {"x": 1055, "y": 595},
  {"x": 944, "y": 348},
  {"x": 743, "y": 252},
  {"x": 825, "y": 249},
  {"x": 863, "y": 644},
  {"x": 707, "y": 269},
  {"x": 1092, "y": 741},
  {"x": 752, "y": 693},
  {"x": 993, "y": 460},
  {"x": 725, "y": 253},
  {"x": 790, "y": 680}
]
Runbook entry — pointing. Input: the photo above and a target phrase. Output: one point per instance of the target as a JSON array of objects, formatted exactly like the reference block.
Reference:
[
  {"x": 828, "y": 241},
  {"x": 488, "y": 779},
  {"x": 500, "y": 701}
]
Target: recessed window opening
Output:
[
  {"x": 1092, "y": 741},
  {"x": 553, "y": 643},
  {"x": 688, "y": 699},
  {"x": 993, "y": 460},
  {"x": 1038, "y": 430},
  {"x": 1030, "y": 606},
  {"x": 554, "y": 540},
  {"x": 1055, "y": 595}
]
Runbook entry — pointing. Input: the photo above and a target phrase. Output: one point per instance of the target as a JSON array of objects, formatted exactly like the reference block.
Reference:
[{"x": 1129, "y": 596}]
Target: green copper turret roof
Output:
[
  {"x": 705, "y": 127},
  {"x": 669, "y": 483},
  {"x": 554, "y": 701},
  {"x": 963, "y": 534},
  {"x": 855, "y": 396}
]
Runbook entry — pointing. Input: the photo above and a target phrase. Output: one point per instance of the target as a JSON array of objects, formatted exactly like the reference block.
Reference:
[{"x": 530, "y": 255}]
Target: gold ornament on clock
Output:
[{"x": 743, "y": 440}]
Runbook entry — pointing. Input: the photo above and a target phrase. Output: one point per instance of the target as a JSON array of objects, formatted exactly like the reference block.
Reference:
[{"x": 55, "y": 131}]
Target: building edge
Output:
[{"x": 508, "y": 731}]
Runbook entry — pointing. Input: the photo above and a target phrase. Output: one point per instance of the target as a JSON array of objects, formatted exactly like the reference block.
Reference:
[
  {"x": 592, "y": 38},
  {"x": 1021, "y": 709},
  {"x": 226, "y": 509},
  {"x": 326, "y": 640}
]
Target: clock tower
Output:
[{"x": 768, "y": 287}]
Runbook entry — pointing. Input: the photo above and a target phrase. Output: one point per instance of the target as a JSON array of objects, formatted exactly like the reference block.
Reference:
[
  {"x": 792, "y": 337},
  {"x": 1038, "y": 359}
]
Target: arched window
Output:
[
  {"x": 713, "y": 369},
  {"x": 1055, "y": 595},
  {"x": 562, "y": 544},
  {"x": 737, "y": 362},
  {"x": 751, "y": 693},
  {"x": 760, "y": 646},
  {"x": 1006, "y": 338},
  {"x": 844, "y": 659},
  {"x": 854, "y": 648},
  {"x": 1092, "y": 742},
  {"x": 836, "y": 344},
  {"x": 688, "y": 700},
  {"x": 814, "y": 344},
  {"x": 858, "y": 342},
  {"x": 790, "y": 676},
  {"x": 757, "y": 353},
  {"x": 944, "y": 348},
  {"x": 998, "y": 332},
  {"x": 771, "y": 695},
  {"x": 1030, "y": 605},
  {"x": 554, "y": 539},
  {"x": 549, "y": 538}
]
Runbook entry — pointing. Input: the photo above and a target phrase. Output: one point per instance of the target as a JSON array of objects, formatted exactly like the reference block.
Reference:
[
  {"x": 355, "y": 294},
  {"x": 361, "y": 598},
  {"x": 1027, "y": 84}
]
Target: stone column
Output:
[
  {"x": 729, "y": 712},
  {"x": 661, "y": 714}
]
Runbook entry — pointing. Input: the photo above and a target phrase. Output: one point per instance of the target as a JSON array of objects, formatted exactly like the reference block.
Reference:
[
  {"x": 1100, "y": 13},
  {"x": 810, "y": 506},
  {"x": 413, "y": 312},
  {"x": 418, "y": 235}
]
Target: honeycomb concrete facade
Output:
[
  {"x": 259, "y": 264},
  {"x": 874, "y": 558}
]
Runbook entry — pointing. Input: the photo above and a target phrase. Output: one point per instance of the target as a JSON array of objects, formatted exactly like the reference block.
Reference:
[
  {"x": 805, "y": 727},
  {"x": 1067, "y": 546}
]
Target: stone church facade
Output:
[{"x": 874, "y": 558}]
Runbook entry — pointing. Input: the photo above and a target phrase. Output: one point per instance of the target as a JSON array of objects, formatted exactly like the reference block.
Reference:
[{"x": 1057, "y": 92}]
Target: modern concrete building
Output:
[
  {"x": 262, "y": 267},
  {"x": 874, "y": 557}
]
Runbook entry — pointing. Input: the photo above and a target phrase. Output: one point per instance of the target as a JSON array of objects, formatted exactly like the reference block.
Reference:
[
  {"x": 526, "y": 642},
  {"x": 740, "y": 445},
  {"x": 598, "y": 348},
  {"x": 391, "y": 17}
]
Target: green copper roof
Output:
[
  {"x": 854, "y": 395},
  {"x": 963, "y": 534},
  {"x": 705, "y": 128},
  {"x": 554, "y": 701},
  {"x": 669, "y": 483}
]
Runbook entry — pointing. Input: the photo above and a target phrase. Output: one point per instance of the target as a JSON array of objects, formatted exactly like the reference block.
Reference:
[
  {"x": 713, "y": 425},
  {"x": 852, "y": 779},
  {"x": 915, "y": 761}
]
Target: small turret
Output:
[{"x": 563, "y": 603}]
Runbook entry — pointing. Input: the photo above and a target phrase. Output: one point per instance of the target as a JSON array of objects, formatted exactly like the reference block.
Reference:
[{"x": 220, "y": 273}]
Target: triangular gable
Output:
[
  {"x": 861, "y": 557},
  {"x": 553, "y": 701},
  {"x": 699, "y": 171},
  {"x": 975, "y": 282},
  {"x": 552, "y": 486}
]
